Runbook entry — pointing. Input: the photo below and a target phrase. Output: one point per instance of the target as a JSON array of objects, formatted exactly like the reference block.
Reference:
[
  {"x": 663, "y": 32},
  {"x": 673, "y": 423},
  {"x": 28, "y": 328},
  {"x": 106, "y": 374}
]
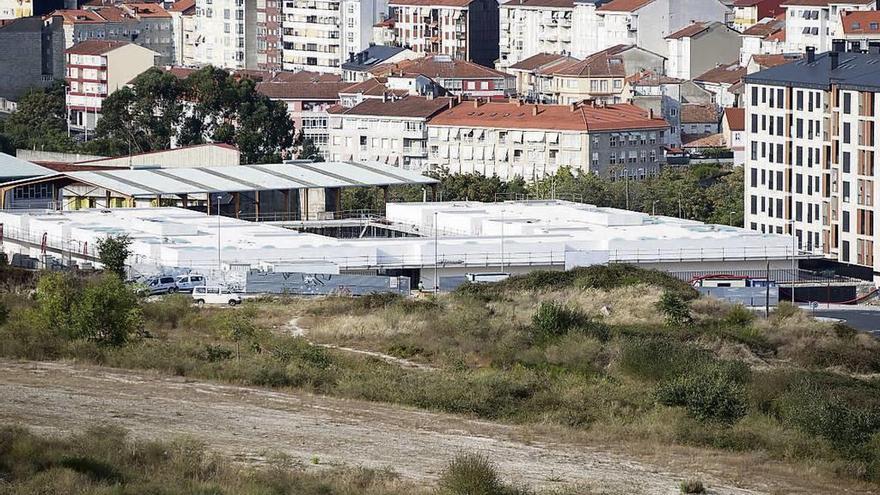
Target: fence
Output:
[{"x": 323, "y": 284}]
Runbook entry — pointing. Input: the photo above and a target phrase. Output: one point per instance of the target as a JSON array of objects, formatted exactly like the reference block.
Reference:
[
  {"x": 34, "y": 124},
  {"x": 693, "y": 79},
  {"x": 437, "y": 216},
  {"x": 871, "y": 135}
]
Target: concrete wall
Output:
[{"x": 21, "y": 65}]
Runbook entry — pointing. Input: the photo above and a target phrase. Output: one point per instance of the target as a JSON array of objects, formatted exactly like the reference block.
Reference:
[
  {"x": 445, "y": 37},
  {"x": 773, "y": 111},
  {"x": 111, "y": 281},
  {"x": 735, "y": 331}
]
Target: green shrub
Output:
[
  {"x": 712, "y": 393},
  {"x": 169, "y": 311},
  {"x": 739, "y": 316},
  {"x": 658, "y": 358},
  {"x": 692, "y": 486},
  {"x": 471, "y": 474},
  {"x": 553, "y": 320},
  {"x": 674, "y": 308},
  {"x": 107, "y": 312}
]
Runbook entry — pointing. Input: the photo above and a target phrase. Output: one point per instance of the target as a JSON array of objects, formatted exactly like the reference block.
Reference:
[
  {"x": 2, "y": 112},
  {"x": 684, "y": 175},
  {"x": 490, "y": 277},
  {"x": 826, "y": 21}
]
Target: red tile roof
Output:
[
  {"x": 305, "y": 76},
  {"x": 861, "y": 22},
  {"x": 764, "y": 29},
  {"x": 438, "y": 67},
  {"x": 698, "y": 114},
  {"x": 183, "y": 6},
  {"x": 600, "y": 64},
  {"x": 767, "y": 61},
  {"x": 324, "y": 91},
  {"x": 374, "y": 87},
  {"x": 723, "y": 74},
  {"x": 649, "y": 78},
  {"x": 541, "y": 60},
  {"x": 432, "y": 3},
  {"x": 702, "y": 141},
  {"x": 688, "y": 31},
  {"x": 410, "y": 106},
  {"x": 95, "y": 47},
  {"x": 736, "y": 118},
  {"x": 148, "y": 10},
  {"x": 623, "y": 5},
  {"x": 514, "y": 115},
  {"x": 552, "y": 4}
]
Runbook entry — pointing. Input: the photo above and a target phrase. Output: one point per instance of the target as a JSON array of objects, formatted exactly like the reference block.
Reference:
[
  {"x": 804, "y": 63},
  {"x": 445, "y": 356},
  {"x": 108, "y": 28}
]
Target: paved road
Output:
[{"x": 864, "y": 320}]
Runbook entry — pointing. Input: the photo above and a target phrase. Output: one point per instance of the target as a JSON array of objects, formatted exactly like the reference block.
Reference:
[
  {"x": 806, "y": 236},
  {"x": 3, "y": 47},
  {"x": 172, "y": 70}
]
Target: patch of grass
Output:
[{"x": 692, "y": 486}]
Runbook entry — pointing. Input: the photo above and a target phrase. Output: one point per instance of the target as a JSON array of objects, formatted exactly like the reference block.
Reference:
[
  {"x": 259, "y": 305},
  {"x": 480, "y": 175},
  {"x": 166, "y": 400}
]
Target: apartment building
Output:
[
  {"x": 145, "y": 24},
  {"x": 699, "y": 119},
  {"x": 811, "y": 154},
  {"x": 533, "y": 74},
  {"x": 859, "y": 28},
  {"x": 646, "y": 23},
  {"x": 227, "y": 33},
  {"x": 95, "y": 69},
  {"x": 183, "y": 27},
  {"x": 733, "y": 128},
  {"x": 699, "y": 47},
  {"x": 764, "y": 38},
  {"x": 320, "y": 35},
  {"x": 307, "y": 101},
  {"x": 269, "y": 52},
  {"x": 664, "y": 96},
  {"x": 531, "y": 141},
  {"x": 32, "y": 55},
  {"x": 747, "y": 13},
  {"x": 529, "y": 27},
  {"x": 814, "y": 22},
  {"x": 722, "y": 81},
  {"x": 393, "y": 131},
  {"x": 461, "y": 29},
  {"x": 458, "y": 77}
]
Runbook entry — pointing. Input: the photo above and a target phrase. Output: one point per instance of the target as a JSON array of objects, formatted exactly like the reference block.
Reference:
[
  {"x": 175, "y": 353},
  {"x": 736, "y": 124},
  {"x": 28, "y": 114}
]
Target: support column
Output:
[
  {"x": 158, "y": 201},
  {"x": 257, "y": 206},
  {"x": 304, "y": 204},
  {"x": 384, "y": 198},
  {"x": 286, "y": 195},
  {"x": 107, "y": 198},
  {"x": 184, "y": 199},
  {"x": 236, "y": 203},
  {"x": 434, "y": 192}
]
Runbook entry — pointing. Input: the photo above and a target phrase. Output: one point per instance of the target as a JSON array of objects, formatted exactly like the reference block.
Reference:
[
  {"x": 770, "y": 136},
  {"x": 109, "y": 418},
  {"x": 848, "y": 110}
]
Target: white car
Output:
[
  {"x": 186, "y": 283},
  {"x": 215, "y": 295},
  {"x": 159, "y": 285}
]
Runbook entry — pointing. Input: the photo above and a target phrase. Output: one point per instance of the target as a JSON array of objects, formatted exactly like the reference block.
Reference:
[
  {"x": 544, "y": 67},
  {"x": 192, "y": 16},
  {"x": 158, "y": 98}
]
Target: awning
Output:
[
  {"x": 552, "y": 137},
  {"x": 534, "y": 136},
  {"x": 516, "y": 136}
]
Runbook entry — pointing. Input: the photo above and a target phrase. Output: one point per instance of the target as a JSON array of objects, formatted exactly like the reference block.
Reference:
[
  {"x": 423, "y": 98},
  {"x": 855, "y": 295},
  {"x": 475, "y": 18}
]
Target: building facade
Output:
[
  {"x": 699, "y": 47},
  {"x": 529, "y": 27},
  {"x": 95, "y": 69},
  {"x": 747, "y": 13},
  {"x": 811, "y": 155},
  {"x": 457, "y": 77},
  {"x": 145, "y": 24},
  {"x": 532, "y": 141},
  {"x": 227, "y": 33},
  {"x": 388, "y": 130},
  {"x": 269, "y": 52},
  {"x": 33, "y": 55},
  {"x": 814, "y": 22},
  {"x": 183, "y": 26},
  {"x": 461, "y": 29}
]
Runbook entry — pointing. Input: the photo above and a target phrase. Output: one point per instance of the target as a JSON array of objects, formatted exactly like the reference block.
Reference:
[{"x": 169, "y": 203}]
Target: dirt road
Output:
[{"x": 248, "y": 423}]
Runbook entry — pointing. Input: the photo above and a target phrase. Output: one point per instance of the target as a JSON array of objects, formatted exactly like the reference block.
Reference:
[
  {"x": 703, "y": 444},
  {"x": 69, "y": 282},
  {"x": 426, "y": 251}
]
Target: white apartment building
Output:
[
  {"x": 531, "y": 141},
  {"x": 227, "y": 33},
  {"x": 644, "y": 23},
  {"x": 319, "y": 35},
  {"x": 811, "y": 155},
  {"x": 183, "y": 26},
  {"x": 814, "y": 23},
  {"x": 391, "y": 131},
  {"x": 764, "y": 38},
  {"x": 95, "y": 69},
  {"x": 529, "y": 27},
  {"x": 860, "y": 27}
]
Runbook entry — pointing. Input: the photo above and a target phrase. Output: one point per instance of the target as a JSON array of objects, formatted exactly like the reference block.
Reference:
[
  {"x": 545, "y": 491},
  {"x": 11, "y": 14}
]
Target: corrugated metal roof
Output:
[
  {"x": 14, "y": 168},
  {"x": 155, "y": 181}
]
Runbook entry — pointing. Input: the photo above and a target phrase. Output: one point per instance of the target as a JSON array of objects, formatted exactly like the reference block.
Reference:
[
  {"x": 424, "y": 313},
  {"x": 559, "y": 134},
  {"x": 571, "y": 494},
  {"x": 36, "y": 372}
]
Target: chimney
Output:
[
  {"x": 573, "y": 105},
  {"x": 651, "y": 113},
  {"x": 835, "y": 57},
  {"x": 838, "y": 46},
  {"x": 811, "y": 54},
  {"x": 535, "y": 110},
  {"x": 476, "y": 103}
]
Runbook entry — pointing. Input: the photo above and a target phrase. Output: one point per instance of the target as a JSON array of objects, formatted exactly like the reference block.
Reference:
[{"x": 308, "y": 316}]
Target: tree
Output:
[
  {"x": 113, "y": 251},
  {"x": 140, "y": 118},
  {"x": 40, "y": 122},
  {"x": 239, "y": 327},
  {"x": 55, "y": 295},
  {"x": 674, "y": 309},
  {"x": 308, "y": 150},
  {"x": 107, "y": 312}
]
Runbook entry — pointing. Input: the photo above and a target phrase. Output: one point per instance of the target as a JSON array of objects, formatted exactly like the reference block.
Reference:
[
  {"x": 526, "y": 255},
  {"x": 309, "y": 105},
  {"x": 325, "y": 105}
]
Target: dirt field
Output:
[{"x": 248, "y": 423}]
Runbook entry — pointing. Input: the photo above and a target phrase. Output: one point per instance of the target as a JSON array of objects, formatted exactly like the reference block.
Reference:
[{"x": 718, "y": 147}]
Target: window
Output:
[
  {"x": 846, "y": 162},
  {"x": 847, "y": 101},
  {"x": 845, "y": 223},
  {"x": 846, "y": 133},
  {"x": 844, "y": 251}
]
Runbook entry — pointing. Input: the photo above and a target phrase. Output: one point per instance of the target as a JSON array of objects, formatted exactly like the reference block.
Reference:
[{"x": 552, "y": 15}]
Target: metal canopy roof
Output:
[
  {"x": 15, "y": 168},
  {"x": 151, "y": 182}
]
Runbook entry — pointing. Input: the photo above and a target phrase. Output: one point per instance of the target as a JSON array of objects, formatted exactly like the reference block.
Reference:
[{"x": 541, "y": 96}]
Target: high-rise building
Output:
[
  {"x": 183, "y": 21},
  {"x": 319, "y": 35},
  {"x": 812, "y": 153},
  {"x": 227, "y": 33},
  {"x": 269, "y": 35},
  {"x": 529, "y": 27}
]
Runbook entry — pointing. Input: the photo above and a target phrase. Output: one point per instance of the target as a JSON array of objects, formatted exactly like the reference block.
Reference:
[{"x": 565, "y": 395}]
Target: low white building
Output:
[
  {"x": 471, "y": 237},
  {"x": 385, "y": 130}
]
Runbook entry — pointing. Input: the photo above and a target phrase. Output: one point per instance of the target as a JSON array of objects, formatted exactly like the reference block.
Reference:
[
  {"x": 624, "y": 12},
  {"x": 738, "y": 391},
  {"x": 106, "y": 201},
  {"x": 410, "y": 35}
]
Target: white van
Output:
[
  {"x": 186, "y": 283},
  {"x": 215, "y": 295}
]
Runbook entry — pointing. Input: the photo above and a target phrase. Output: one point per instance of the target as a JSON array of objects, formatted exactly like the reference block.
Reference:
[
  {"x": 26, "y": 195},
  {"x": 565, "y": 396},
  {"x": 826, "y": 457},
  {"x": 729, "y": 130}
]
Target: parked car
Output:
[
  {"x": 186, "y": 283},
  {"x": 159, "y": 285},
  {"x": 215, "y": 295}
]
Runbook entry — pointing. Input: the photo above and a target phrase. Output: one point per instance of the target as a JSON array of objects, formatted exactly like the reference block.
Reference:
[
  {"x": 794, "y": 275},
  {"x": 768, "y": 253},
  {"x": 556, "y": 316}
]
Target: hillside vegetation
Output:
[{"x": 623, "y": 354}]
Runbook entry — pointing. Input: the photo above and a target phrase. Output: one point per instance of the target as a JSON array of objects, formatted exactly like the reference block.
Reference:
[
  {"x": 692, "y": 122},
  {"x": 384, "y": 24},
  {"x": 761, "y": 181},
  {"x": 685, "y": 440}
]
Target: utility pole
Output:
[
  {"x": 767, "y": 292},
  {"x": 794, "y": 274},
  {"x": 679, "y": 204},
  {"x": 436, "y": 257},
  {"x": 219, "y": 251}
]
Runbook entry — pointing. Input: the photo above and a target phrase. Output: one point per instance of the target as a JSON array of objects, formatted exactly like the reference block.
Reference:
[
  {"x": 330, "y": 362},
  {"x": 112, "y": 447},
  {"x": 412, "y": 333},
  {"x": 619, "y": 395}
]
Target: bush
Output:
[
  {"x": 658, "y": 358},
  {"x": 692, "y": 486},
  {"x": 674, "y": 309},
  {"x": 107, "y": 312},
  {"x": 739, "y": 316},
  {"x": 553, "y": 320},
  {"x": 471, "y": 474},
  {"x": 169, "y": 311},
  {"x": 709, "y": 394}
]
